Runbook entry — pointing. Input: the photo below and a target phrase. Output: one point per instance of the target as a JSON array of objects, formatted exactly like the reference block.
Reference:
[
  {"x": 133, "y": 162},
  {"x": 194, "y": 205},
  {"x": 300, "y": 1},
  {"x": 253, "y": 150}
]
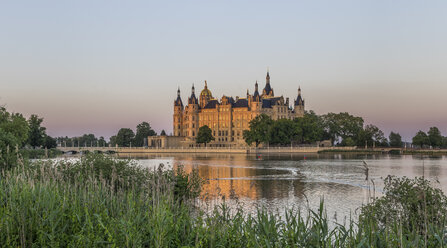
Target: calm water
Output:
[{"x": 296, "y": 181}]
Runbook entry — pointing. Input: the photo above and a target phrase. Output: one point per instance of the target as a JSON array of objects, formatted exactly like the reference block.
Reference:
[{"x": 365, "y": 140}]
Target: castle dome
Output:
[{"x": 206, "y": 92}]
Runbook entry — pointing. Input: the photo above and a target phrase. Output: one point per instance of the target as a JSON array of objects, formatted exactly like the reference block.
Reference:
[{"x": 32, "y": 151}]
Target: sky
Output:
[{"x": 98, "y": 66}]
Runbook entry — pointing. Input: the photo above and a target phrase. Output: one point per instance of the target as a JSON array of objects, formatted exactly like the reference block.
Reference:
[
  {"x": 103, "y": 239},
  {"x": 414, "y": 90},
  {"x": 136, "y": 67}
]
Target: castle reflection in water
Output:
[{"x": 239, "y": 176}]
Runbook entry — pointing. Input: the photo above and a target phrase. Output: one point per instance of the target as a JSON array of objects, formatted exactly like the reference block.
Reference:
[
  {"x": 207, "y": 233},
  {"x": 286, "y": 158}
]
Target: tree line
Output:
[
  {"x": 127, "y": 138},
  {"x": 17, "y": 132},
  {"x": 342, "y": 129}
]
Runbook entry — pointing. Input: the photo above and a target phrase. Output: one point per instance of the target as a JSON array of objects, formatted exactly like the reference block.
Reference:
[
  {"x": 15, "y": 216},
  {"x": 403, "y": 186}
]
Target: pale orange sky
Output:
[{"x": 96, "y": 67}]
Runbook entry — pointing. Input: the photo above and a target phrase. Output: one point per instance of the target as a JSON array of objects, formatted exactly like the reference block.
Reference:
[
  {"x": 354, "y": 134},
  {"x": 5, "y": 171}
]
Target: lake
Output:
[{"x": 296, "y": 181}]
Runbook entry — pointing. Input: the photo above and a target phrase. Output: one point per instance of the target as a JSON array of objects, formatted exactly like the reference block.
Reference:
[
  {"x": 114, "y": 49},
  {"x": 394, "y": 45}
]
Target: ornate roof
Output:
[
  {"x": 206, "y": 92},
  {"x": 241, "y": 103},
  {"x": 268, "y": 91},
  {"x": 299, "y": 100},
  {"x": 193, "y": 99},
  {"x": 269, "y": 102},
  {"x": 178, "y": 101},
  {"x": 256, "y": 96},
  {"x": 211, "y": 104}
]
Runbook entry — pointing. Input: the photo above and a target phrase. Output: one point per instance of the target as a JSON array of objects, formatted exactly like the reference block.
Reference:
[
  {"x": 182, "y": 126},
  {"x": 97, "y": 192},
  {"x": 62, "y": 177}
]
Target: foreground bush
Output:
[{"x": 102, "y": 202}]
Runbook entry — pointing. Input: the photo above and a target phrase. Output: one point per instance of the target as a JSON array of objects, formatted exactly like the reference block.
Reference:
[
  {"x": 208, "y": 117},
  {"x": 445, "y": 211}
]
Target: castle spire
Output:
[
  {"x": 206, "y": 85},
  {"x": 178, "y": 92},
  {"x": 193, "y": 90},
  {"x": 267, "y": 78}
]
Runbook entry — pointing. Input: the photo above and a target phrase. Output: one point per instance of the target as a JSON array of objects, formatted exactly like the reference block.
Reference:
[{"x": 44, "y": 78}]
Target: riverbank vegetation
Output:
[
  {"x": 99, "y": 201},
  {"x": 341, "y": 129}
]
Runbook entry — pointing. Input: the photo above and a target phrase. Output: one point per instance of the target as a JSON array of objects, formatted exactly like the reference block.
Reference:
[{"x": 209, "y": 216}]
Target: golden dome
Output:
[{"x": 206, "y": 92}]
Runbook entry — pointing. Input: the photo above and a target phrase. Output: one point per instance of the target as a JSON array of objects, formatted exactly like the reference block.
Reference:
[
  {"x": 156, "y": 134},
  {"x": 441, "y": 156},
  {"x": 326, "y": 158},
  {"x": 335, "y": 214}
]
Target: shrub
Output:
[{"x": 412, "y": 203}]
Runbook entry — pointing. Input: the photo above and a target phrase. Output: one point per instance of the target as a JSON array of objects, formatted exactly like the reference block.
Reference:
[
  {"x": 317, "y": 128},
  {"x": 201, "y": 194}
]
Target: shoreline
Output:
[{"x": 251, "y": 150}]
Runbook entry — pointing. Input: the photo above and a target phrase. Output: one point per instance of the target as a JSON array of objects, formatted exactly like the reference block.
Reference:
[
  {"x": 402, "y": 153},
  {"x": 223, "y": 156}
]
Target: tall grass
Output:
[{"x": 102, "y": 202}]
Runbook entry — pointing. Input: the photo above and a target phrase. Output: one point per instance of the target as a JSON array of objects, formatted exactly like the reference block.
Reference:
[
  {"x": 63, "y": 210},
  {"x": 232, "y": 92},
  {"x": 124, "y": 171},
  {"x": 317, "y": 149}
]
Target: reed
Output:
[{"x": 103, "y": 202}]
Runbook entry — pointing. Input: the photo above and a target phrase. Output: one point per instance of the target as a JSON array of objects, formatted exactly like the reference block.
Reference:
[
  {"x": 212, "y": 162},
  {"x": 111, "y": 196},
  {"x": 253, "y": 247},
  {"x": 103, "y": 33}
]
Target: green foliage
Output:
[
  {"x": 421, "y": 139},
  {"x": 309, "y": 128},
  {"x": 8, "y": 154},
  {"x": 124, "y": 137},
  {"x": 413, "y": 203},
  {"x": 49, "y": 142},
  {"x": 259, "y": 131},
  {"x": 342, "y": 126},
  {"x": 13, "y": 135},
  {"x": 435, "y": 137},
  {"x": 85, "y": 140},
  {"x": 395, "y": 140},
  {"x": 205, "y": 135},
  {"x": 40, "y": 153},
  {"x": 143, "y": 131},
  {"x": 14, "y": 124},
  {"x": 36, "y": 137},
  {"x": 101, "y": 201},
  {"x": 282, "y": 132},
  {"x": 113, "y": 141},
  {"x": 371, "y": 136}
]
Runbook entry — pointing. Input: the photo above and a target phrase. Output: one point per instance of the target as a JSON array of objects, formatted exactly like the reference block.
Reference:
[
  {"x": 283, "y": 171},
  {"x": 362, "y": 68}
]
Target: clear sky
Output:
[{"x": 97, "y": 66}]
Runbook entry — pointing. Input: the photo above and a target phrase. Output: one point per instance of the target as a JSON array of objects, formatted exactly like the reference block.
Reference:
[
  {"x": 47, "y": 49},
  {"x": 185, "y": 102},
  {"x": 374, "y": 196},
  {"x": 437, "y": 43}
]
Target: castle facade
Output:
[{"x": 229, "y": 117}]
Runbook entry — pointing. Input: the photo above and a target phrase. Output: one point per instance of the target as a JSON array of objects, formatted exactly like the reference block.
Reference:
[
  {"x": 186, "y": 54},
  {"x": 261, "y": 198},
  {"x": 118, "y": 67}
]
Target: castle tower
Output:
[
  {"x": 205, "y": 96},
  {"x": 268, "y": 91},
  {"x": 299, "y": 105},
  {"x": 192, "y": 115},
  {"x": 257, "y": 100},
  {"x": 178, "y": 115}
]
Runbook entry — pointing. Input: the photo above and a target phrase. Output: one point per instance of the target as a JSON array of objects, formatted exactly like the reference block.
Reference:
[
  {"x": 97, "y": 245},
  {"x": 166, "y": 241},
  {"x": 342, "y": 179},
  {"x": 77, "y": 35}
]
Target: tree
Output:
[
  {"x": 13, "y": 134},
  {"x": 113, "y": 140},
  {"x": 102, "y": 142},
  {"x": 49, "y": 142},
  {"x": 281, "y": 132},
  {"x": 395, "y": 140},
  {"x": 342, "y": 125},
  {"x": 125, "y": 137},
  {"x": 259, "y": 131},
  {"x": 435, "y": 137},
  {"x": 15, "y": 124},
  {"x": 444, "y": 142},
  {"x": 204, "y": 135},
  {"x": 143, "y": 131},
  {"x": 371, "y": 135},
  {"x": 309, "y": 128},
  {"x": 163, "y": 133},
  {"x": 421, "y": 139},
  {"x": 37, "y": 133}
]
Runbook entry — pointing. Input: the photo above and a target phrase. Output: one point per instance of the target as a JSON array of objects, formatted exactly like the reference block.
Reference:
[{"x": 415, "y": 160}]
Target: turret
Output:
[
  {"x": 205, "y": 96},
  {"x": 192, "y": 99},
  {"x": 192, "y": 117},
  {"x": 178, "y": 115},
  {"x": 299, "y": 105},
  {"x": 178, "y": 101},
  {"x": 268, "y": 91},
  {"x": 256, "y": 96}
]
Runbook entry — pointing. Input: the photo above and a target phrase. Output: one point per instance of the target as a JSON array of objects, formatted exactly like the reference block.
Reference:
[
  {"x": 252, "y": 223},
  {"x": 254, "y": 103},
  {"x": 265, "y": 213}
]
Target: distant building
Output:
[{"x": 229, "y": 117}]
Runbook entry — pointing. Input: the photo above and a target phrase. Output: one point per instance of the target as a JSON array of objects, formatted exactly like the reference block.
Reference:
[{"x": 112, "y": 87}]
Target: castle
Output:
[{"x": 229, "y": 117}]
